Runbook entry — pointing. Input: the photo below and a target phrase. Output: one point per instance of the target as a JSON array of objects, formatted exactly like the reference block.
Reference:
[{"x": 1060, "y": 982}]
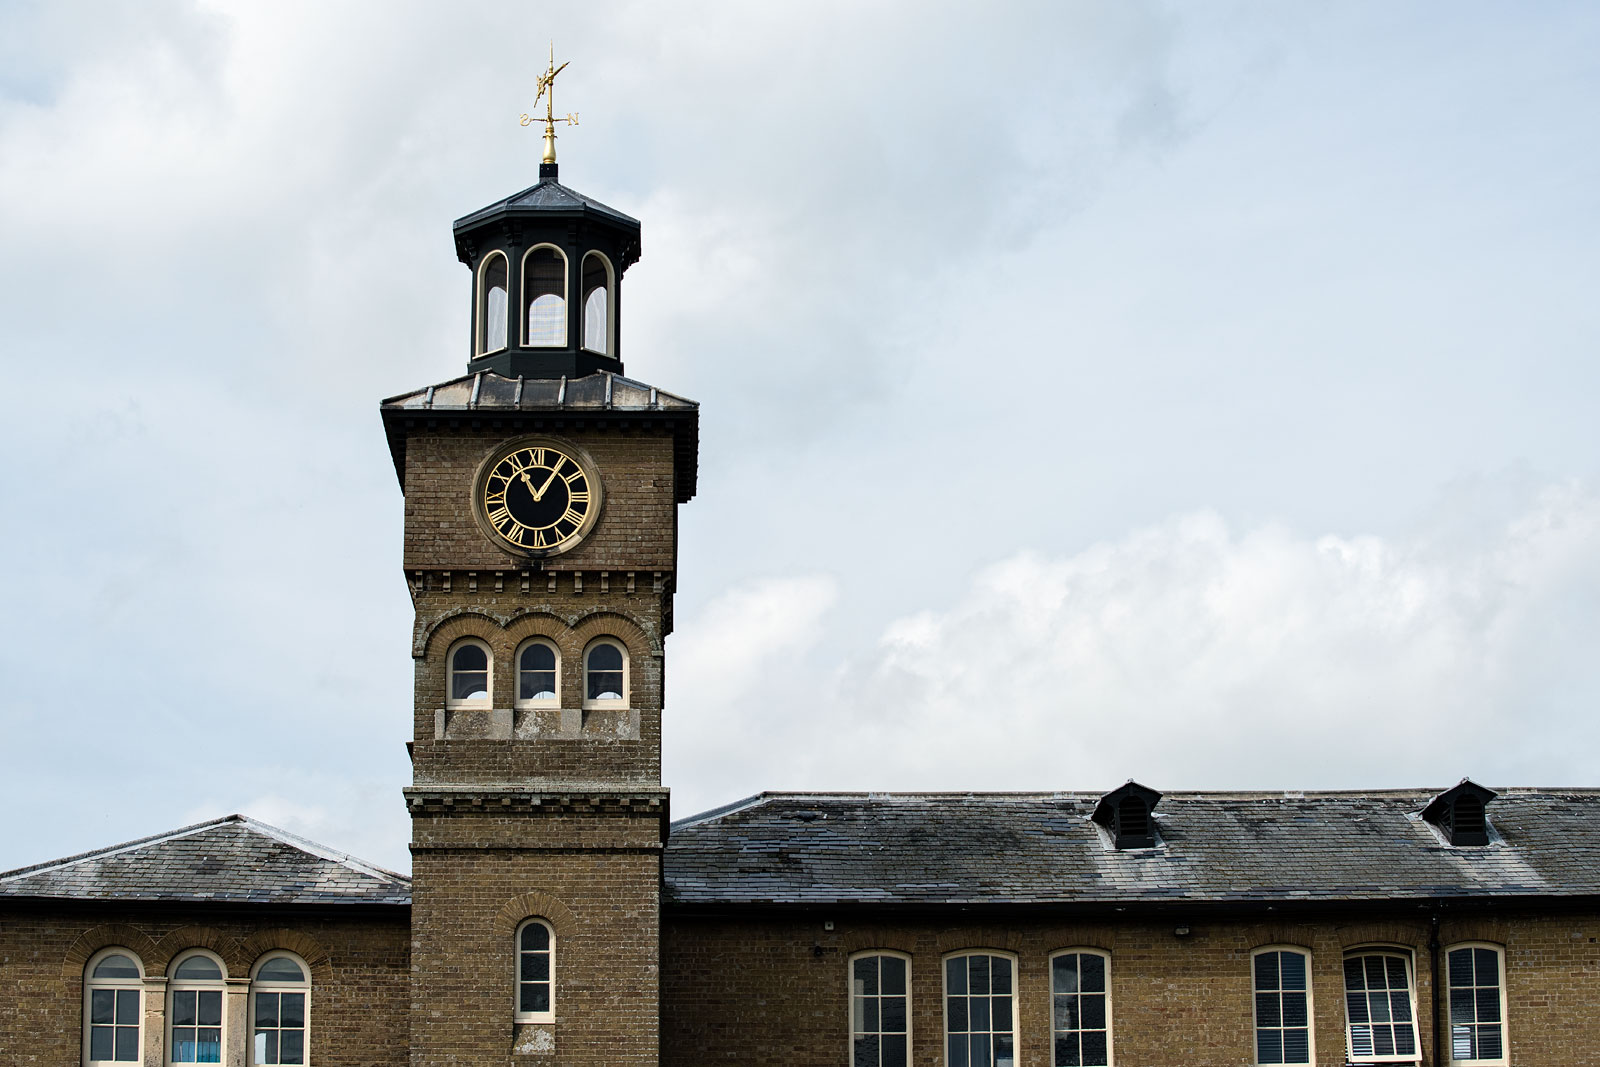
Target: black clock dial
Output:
[{"x": 538, "y": 498}]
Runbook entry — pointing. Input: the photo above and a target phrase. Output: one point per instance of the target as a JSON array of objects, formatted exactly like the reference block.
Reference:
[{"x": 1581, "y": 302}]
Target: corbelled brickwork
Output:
[
  {"x": 768, "y": 990},
  {"x": 360, "y": 977}
]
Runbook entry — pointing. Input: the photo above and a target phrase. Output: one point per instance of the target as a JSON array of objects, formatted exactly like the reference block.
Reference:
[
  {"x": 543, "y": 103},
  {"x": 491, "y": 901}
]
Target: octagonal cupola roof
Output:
[{"x": 547, "y": 266}]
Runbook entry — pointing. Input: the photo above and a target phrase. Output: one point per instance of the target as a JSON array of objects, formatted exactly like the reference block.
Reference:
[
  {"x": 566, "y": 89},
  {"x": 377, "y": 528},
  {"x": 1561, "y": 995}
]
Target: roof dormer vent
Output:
[
  {"x": 1459, "y": 813},
  {"x": 1127, "y": 814}
]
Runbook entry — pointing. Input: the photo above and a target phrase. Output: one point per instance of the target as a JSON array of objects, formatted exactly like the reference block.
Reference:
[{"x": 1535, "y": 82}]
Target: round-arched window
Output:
[
  {"x": 194, "y": 1009},
  {"x": 492, "y": 306},
  {"x": 536, "y": 972},
  {"x": 544, "y": 296},
  {"x": 537, "y": 667},
  {"x": 113, "y": 990},
  {"x": 280, "y": 1011},
  {"x": 605, "y": 674},
  {"x": 468, "y": 675},
  {"x": 596, "y": 303}
]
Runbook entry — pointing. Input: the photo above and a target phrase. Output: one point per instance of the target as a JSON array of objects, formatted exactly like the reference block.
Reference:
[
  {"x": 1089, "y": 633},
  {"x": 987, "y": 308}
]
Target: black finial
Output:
[{"x": 547, "y": 171}]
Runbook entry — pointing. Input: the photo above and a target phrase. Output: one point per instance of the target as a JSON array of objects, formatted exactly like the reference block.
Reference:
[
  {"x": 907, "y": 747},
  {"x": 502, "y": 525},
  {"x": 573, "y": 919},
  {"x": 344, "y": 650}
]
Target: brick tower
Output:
[{"x": 541, "y": 495}]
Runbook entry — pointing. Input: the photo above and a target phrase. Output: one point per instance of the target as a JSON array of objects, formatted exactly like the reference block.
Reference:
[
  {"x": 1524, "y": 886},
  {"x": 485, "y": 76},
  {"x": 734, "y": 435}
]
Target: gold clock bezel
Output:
[{"x": 574, "y": 452}]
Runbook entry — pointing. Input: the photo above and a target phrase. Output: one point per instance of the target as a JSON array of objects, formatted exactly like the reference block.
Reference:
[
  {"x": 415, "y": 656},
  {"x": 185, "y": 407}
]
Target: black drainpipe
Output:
[{"x": 1434, "y": 983}]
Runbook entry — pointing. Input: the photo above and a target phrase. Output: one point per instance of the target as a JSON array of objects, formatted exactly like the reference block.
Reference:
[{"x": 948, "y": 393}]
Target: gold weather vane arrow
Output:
[{"x": 547, "y": 93}]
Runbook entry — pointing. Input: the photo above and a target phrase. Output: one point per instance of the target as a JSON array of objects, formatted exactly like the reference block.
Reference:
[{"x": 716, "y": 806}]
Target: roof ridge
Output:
[
  {"x": 305, "y": 844},
  {"x": 726, "y": 809}
]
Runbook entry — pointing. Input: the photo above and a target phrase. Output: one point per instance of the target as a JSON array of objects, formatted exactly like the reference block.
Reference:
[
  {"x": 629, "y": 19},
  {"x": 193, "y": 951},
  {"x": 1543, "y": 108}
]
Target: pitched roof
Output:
[
  {"x": 488, "y": 391},
  {"x": 595, "y": 396},
  {"x": 1042, "y": 848},
  {"x": 547, "y": 196},
  {"x": 233, "y": 859}
]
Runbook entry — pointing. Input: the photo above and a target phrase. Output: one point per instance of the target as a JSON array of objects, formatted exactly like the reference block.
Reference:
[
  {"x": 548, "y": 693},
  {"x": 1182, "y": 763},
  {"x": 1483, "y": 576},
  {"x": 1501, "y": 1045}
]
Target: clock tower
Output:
[{"x": 541, "y": 494}]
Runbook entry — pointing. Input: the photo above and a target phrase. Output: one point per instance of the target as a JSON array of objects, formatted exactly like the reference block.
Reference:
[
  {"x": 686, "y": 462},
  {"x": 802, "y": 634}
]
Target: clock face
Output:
[{"x": 538, "y": 496}]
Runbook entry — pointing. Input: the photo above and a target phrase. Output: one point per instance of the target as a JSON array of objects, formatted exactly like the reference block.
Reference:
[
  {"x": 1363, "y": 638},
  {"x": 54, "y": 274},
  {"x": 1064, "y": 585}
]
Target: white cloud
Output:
[{"x": 1188, "y": 654}]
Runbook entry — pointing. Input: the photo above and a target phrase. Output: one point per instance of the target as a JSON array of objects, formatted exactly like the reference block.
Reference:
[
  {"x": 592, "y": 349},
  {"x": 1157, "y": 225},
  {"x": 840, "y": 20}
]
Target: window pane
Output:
[
  {"x": 1067, "y": 1051},
  {"x": 958, "y": 1015},
  {"x": 1267, "y": 971},
  {"x": 1094, "y": 1013},
  {"x": 1064, "y": 974},
  {"x": 210, "y": 1008},
  {"x": 292, "y": 1047},
  {"x": 535, "y": 966},
  {"x": 1267, "y": 1013},
  {"x": 1294, "y": 970},
  {"x": 266, "y": 1009},
  {"x": 894, "y": 1050},
  {"x": 294, "y": 1010},
  {"x": 198, "y": 967},
  {"x": 1095, "y": 1049},
  {"x": 1000, "y": 1013},
  {"x": 978, "y": 1013},
  {"x": 979, "y": 1051},
  {"x": 605, "y": 658},
  {"x": 127, "y": 1044},
  {"x": 1269, "y": 1046},
  {"x": 128, "y": 1007},
  {"x": 1400, "y": 1006},
  {"x": 1001, "y": 968},
  {"x": 280, "y": 969},
  {"x": 469, "y": 685},
  {"x": 1489, "y": 1047},
  {"x": 957, "y": 1050},
  {"x": 100, "y": 1042},
  {"x": 1296, "y": 1046},
  {"x": 1487, "y": 965},
  {"x": 955, "y": 975},
  {"x": 101, "y": 1003},
  {"x": 1004, "y": 1055},
  {"x": 1065, "y": 1015},
  {"x": 866, "y": 1051},
  {"x": 116, "y": 967},
  {"x": 1093, "y": 972},
  {"x": 894, "y": 1015},
  {"x": 536, "y": 997},
  {"x": 183, "y": 1007},
  {"x": 535, "y": 936},
  {"x": 894, "y": 975},
  {"x": 867, "y": 976},
  {"x": 1461, "y": 967}
]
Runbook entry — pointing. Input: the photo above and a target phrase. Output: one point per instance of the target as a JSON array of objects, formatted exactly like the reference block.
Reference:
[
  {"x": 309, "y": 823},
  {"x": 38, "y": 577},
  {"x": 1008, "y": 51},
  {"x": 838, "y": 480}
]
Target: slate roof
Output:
[
  {"x": 233, "y": 859},
  {"x": 598, "y": 396},
  {"x": 547, "y": 196},
  {"x": 488, "y": 391},
  {"x": 805, "y": 849}
]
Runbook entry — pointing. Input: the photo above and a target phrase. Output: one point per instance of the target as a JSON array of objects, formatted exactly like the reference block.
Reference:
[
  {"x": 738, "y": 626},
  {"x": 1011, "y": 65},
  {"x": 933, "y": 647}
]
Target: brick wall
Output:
[
  {"x": 595, "y": 878},
  {"x": 636, "y": 525},
  {"x": 750, "y": 992},
  {"x": 359, "y": 977}
]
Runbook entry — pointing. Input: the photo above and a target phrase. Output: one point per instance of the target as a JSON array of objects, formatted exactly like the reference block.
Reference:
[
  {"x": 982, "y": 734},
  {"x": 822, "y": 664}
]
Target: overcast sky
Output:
[{"x": 1202, "y": 393}]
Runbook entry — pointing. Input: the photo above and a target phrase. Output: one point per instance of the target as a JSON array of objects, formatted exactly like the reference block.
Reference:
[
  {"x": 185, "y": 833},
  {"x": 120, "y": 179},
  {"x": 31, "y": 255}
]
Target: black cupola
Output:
[
  {"x": 547, "y": 268},
  {"x": 1128, "y": 815},
  {"x": 1460, "y": 813}
]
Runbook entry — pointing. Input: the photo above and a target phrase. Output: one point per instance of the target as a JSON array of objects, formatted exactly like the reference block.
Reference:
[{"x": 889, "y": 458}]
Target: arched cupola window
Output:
[
  {"x": 544, "y": 297},
  {"x": 1127, "y": 813},
  {"x": 1459, "y": 813},
  {"x": 597, "y": 284},
  {"x": 493, "y": 308}
]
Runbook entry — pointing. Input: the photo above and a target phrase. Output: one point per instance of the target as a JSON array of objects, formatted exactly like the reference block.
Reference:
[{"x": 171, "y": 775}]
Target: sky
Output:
[{"x": 1202, "y": 393}]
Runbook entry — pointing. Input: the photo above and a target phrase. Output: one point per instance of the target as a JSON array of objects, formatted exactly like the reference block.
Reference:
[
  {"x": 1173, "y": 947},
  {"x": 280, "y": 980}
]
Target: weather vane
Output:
[{"x": 547, "y": 93}]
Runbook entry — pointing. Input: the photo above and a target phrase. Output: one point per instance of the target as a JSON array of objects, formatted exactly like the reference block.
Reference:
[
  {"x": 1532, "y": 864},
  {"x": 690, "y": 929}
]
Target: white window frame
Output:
[
  {"x": 1311, "y": 1015},
  {"x": 257, "y": 985},
  {"x": 176, "y": 985},
  {"x": 627, "y": 675},
  {"x": 1111, "y": 1053},
  {"x": 1406, "y": 957},
  {"x": 516, "y": 662},
  {"x": 944, "y": 1001},
  {"x": 1505, "y": 1023},
  {"x": 481, "y": 310},
  {"x": 90, "y": 984},
  {"x": 566, "y": 305},
  {"x": 611, "y": 301},
  {"x": 517, "y": 1014},
  {"x": 850, "y": 1003},
  {"x": 486, "y": 701}
]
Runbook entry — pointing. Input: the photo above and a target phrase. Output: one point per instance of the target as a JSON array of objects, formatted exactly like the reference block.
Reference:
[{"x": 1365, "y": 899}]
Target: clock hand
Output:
[{"x": 538, "y": 494}]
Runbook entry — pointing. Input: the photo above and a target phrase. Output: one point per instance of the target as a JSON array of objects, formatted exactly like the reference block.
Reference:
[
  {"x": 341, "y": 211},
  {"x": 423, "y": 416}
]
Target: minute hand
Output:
[{"x": 538, "y": 494}]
